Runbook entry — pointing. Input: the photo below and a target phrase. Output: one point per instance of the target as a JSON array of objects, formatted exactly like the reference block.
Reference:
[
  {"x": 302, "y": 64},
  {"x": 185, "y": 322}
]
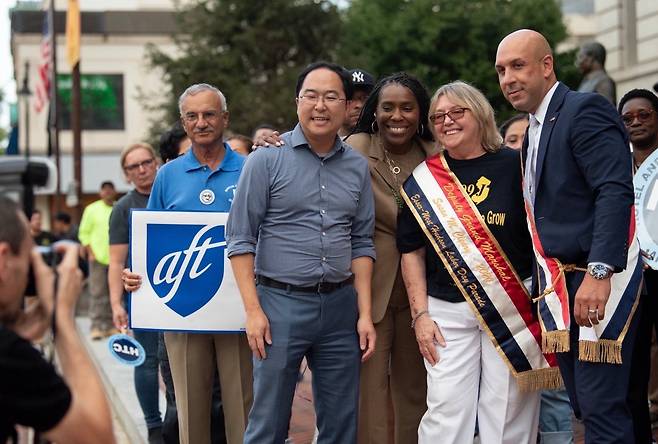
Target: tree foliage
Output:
[
  {"x": 443, "y": 40},
  {"x": 252, "y": 51}
]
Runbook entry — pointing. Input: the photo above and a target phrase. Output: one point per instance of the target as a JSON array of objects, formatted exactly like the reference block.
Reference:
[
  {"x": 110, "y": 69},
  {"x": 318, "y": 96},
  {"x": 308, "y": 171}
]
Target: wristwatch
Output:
[{"x": 599, "y": 271}]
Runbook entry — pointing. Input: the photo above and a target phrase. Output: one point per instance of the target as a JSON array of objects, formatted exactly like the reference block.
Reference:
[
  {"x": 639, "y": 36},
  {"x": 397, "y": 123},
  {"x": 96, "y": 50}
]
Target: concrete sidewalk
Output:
[
  {"x": 120, "y": 388},
  {"x": 130, "y": 427}
]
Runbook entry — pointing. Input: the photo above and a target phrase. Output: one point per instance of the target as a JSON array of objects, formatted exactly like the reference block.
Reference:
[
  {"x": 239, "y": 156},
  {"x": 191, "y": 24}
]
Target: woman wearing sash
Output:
[
  {"x": 466, "y": 261},
  {"x": 393, "y": 134}
]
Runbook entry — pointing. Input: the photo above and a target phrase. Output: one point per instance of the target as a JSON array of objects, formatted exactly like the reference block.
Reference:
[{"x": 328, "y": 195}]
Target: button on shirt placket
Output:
[
  {"x": 324, "y": 201},
  {"x": 209, "y": 173}
]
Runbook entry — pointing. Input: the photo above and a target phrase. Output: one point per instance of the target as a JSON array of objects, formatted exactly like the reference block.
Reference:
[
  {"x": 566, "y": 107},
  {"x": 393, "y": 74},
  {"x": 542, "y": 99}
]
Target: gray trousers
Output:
[
  {"x": 322, "y": 328},
  {"x": 100, "y": 310}
]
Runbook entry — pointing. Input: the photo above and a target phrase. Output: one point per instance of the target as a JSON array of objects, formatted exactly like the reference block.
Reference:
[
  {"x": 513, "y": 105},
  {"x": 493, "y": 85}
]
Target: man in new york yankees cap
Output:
[{"x": 363, "y": 82}]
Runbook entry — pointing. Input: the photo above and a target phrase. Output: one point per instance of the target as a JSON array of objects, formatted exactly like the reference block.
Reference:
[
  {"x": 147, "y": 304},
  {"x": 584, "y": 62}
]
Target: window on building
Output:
[
  {"x": 584, "y": 7},
  {"x": 101, "y": 101}
]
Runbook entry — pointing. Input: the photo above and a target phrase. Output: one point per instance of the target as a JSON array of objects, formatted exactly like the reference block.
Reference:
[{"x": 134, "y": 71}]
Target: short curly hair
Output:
[
  {"x": 169, "y": 141},
  {"x": 639, "y": 93}
]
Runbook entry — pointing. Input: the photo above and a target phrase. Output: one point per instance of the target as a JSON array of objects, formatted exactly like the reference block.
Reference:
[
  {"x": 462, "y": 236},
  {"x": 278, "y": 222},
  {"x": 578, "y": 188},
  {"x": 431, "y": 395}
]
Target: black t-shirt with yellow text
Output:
[{"x": 493, "y": 182}]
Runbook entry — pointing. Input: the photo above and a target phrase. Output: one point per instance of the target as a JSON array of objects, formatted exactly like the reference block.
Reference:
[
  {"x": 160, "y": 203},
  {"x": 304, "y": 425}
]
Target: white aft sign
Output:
[{"x": 187, "y": 282}]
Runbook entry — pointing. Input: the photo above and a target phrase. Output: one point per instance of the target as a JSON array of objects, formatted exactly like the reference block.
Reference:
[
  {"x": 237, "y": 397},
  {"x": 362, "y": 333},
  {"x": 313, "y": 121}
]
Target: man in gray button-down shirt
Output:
[{"x": 306, "y": 213}]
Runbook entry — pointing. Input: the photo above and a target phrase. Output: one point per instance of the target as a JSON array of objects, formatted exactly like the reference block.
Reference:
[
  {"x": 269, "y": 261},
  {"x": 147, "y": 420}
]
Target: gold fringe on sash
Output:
[
  {"x": 540, "y": 379},
  {"x": 556, "y": 341},
  {"x": 603, "y": 350}
]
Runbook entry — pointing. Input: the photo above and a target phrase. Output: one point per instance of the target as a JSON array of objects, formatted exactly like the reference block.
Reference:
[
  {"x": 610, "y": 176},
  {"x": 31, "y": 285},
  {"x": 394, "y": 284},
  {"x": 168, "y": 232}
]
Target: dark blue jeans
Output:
[
  {"x": 555, "y": 418},
  {"x": 146, "y": 378},
  {"x": 322, "y": 328}
]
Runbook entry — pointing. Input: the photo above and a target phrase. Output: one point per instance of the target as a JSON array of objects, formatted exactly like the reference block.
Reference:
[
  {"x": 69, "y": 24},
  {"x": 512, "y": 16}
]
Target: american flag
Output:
[{"x": 42, "y": 93}]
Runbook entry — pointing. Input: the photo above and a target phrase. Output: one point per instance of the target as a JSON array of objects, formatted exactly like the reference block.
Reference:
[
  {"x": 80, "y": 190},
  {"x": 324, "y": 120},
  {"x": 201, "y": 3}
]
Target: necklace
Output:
[
  {"x": 391, "y": 165},
  {"x": 395, "y": 170}
]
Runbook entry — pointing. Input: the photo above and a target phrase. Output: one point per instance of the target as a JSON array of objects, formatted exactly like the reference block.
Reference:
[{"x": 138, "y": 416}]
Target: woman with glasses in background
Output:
[
  {"x": 467, "y": 263},
  {"x": 639, "y": 112}
]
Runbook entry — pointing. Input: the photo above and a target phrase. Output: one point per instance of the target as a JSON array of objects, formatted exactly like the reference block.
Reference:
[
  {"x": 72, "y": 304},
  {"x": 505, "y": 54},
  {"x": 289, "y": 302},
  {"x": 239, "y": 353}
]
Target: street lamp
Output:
[{"x": 25, "y": 93}]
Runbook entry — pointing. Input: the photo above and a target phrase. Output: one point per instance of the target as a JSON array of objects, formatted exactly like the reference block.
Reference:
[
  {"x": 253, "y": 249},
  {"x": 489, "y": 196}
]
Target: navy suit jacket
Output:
[{"x": 584, "y": 182}]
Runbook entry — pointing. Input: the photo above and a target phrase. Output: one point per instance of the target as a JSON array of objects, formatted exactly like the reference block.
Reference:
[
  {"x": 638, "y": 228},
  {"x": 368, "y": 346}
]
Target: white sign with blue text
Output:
[{"x": 187, "y": 282}]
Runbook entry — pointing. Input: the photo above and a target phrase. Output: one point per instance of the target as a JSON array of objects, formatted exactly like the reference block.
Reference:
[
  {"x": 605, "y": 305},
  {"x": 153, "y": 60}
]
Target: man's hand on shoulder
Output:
[
  {"x": 265, "y": 141},
  {"x": 591, "y": 297}
]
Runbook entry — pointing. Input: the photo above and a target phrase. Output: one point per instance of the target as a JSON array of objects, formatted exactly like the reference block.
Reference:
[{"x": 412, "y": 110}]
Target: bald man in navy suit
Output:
[{"x": 579, "y": 190}]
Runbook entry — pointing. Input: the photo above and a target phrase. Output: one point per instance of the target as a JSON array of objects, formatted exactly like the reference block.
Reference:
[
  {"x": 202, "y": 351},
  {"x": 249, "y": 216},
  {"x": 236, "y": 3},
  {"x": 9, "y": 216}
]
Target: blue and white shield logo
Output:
[{"x": 185, "y": 264}]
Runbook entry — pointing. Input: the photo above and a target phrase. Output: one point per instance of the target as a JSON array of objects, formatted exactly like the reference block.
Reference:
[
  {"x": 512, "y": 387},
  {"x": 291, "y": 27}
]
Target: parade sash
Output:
[
  {"x": 602, "y": 342},
  {"x": 481, "y": 271}
]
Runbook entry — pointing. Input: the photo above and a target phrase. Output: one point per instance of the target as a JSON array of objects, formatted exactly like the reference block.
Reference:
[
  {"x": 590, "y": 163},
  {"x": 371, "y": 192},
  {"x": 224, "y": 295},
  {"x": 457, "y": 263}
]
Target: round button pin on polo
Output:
[{"x": 207, "y": 197}]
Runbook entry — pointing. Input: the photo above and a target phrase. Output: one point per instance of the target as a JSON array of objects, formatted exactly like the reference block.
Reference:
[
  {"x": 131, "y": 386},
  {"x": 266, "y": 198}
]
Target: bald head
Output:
[
  {"x": 524, "y": 63},
  {"x": 535, "y": 41}
]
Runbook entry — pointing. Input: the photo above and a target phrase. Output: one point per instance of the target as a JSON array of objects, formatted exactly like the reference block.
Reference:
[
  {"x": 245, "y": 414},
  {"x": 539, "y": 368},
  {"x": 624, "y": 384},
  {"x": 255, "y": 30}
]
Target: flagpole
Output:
[
  {"x": 77, "y": 140},
  {"x": 73, "y": 31},
  {"x": 53, "y": 125}
]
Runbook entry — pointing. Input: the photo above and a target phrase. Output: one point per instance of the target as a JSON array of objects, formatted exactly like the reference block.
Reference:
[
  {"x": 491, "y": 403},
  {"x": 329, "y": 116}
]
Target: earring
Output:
[
  {"x": 421, "y": 129},
  {"x": 373, "y": 126}
]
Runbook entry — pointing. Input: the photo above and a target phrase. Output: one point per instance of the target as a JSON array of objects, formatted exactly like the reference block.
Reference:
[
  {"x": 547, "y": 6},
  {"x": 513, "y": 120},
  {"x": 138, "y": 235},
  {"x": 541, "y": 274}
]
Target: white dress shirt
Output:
[{"x": 534, "y": 134}]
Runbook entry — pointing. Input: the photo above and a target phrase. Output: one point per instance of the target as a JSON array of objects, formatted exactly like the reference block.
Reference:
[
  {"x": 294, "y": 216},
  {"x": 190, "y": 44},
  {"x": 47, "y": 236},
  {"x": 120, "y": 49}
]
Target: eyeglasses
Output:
[
  {"x": 642, "y": 115},
  {"x": 454, "y": 114},
  {"x": 207, "y": 116},
  {"x": 328, "y": 99},
  {"x": 135, "y": 166}
]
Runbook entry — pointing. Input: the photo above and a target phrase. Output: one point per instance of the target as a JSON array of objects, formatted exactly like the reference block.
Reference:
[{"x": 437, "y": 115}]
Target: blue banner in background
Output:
[{"x": 12, "y": 147}]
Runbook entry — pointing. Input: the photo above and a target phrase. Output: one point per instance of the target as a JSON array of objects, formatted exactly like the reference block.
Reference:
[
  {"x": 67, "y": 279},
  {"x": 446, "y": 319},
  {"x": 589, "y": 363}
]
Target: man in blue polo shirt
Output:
[{"x": 205, "y": 179}]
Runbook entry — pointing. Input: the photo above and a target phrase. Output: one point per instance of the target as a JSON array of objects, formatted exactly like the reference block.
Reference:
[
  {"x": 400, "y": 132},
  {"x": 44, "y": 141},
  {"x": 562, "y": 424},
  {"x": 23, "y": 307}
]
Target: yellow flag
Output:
[{"x": 73, "y": 33}]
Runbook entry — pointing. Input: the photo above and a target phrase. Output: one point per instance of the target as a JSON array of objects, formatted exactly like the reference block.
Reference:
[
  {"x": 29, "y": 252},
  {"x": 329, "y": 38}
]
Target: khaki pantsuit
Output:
[
  {"x": 396, "y": 373},
  {"x": 192, "y": 358}
]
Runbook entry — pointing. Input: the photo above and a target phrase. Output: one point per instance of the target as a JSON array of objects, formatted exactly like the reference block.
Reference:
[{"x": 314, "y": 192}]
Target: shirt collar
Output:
[
  {"x": 231, "y": 161},
  {"x": 540, "y": 114},
  {"x": 299, "y": 140}
]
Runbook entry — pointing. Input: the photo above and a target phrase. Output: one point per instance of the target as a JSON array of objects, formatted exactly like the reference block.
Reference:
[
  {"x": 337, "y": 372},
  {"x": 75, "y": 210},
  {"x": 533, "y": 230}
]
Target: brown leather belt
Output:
[{"x": 320, "y": 287}]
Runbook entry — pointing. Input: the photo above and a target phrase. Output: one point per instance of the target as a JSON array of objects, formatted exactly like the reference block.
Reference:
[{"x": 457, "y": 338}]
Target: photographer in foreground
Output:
[{"x": 69, "y": 409}]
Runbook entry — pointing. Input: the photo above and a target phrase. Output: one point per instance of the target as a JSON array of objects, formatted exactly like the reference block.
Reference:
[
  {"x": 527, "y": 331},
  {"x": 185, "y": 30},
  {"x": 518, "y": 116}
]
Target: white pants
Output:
[{"x": 472, "y": 381}]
